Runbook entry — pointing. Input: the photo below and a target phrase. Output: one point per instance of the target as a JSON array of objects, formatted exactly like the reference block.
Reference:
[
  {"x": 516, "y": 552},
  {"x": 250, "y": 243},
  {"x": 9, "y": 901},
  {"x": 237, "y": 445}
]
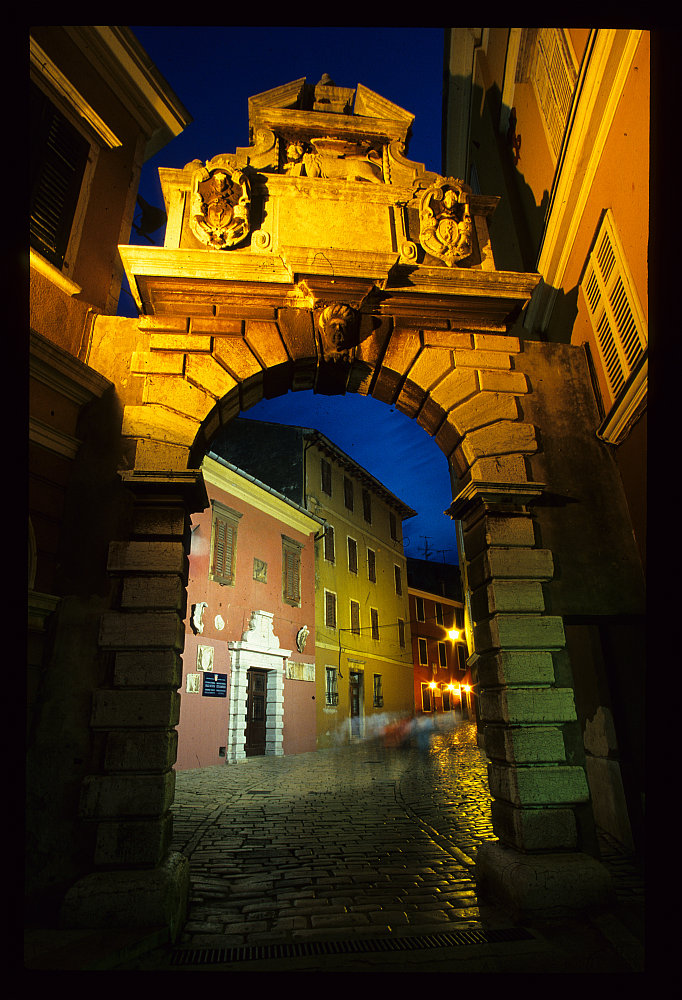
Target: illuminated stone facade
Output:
[{"x": 322, "y": 215}]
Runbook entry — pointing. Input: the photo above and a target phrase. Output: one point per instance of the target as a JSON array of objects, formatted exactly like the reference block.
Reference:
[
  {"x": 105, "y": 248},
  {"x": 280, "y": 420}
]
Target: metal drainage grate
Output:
[{"x": 304, "y": 949}]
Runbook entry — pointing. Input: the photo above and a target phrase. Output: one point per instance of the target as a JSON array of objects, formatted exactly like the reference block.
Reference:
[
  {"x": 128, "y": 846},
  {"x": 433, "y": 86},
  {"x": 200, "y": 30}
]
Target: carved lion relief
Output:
[
  {"x": 335, "y": 159},
  {"x": 220, "y": 208}
]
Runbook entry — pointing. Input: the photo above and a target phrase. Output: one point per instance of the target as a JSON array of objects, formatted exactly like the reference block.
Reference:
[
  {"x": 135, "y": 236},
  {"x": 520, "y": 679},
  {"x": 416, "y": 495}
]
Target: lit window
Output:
[
  {"x": 427, "y": 704},
  {"x": 616, "y": 316},
  {"x": 223, "y": 543}
]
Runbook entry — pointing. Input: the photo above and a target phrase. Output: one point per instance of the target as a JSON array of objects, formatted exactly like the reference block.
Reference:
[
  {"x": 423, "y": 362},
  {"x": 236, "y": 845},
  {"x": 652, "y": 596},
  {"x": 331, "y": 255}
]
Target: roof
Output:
[{"x": 437, "y": 578}]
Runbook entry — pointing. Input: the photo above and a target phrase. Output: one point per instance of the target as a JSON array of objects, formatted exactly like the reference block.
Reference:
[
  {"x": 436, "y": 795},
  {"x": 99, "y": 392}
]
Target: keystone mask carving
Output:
[
  {"x": 220, "y": 210},
  {"x": 445, "y": 222},
  {"x": 336, "y": 329}
]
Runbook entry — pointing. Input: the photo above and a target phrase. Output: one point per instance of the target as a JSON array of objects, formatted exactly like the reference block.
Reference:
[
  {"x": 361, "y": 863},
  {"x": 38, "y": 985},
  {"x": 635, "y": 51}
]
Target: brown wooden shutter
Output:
[
  {"x": 330, "y": 610},
  {"x": 223, "y": 549},
  {"x": 371, "y": 565},
  {"x": 375, "y": 623},
  {"x": 292, "y": 575},
  {"x": 329, "y": 543},
  {"x": 352, "y": 556},
  {"x": 59, "y": 154},
  {"x": 355, "y": 617}
]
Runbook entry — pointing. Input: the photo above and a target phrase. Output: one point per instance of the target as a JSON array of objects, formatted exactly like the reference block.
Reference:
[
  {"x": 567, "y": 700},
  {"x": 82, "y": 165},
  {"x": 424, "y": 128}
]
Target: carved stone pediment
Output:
[{"x": 220, "y": 209}]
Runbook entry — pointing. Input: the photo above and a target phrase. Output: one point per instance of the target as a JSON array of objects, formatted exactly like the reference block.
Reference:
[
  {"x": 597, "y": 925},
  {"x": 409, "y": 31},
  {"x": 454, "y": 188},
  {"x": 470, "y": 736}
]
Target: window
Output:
[
  {"x": 398, "y": 580},
  {"x": 616, "y": 317},
  {"x": 461, "y": 656},
  {"x": 553, "y": 75},
  {"x": 57, "y": 161},
  {"x": 355, "y": 617},
  {"x": 329, "y": 609},
  {"x": 223, "y": 543},
  {"x": 420, "y": 609},
  {"x": 442, "y": 655},
  {"x": 445, "y": 696},
  {"x": 423, "y": 652},
  {"x": 439, "y": 612},
  {"x": 459, "y": 618},
  {"x": 326, "y": 471},
  {"x": 367, "y": 506},
  {"x": 401, "y": 633},
  {"x": 329, "y": 543},
  {"x": 378, "y": 692},
  {"x": 331, "y": 693},
  {"x": 374, "y": 615},
  {"x": 393, "y": 526},
  {"x": 352, "y": 556},
  {"x": 348, "y": 492},
  {"x": 291, "y": 572},
  {"x": 427, "y": 705},
  {"x": 372, "y": 565}
]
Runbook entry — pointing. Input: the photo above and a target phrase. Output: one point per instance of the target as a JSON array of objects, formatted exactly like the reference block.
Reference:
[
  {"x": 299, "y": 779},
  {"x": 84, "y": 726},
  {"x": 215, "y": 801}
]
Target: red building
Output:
[
  {"x": 248, "y": 685},
  {"x": 442, "y": 680}
]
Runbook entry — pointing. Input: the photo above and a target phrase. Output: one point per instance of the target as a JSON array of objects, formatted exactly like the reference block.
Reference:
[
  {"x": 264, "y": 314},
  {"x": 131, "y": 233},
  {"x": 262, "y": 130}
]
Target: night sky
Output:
[{"x": 213, "y": 71}]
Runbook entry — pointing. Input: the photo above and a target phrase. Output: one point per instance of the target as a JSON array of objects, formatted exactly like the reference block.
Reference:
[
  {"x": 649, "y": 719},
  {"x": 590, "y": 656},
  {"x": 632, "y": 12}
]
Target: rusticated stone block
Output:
[
  {"x": 515, "y": 595},
  {"x": 146, "y": 557},
  {"x": 484, "y": 408},
  {"x": 296, "y": 328},
  {"x": 503, "y": 438},
  {"x": 430, "y": 367},
  {"x": 164, "y": 522},
  {"x": 493, "y": 342},
  {"x": 403, "y": 348},
  {"x": 162, "y": 592},
  {"x": 543, "y": 784},
  {"x": 127, "y": 795},
  {"x": 482, "y": 359},
  {"x": 410, "y": 399},
  {"x": 203, "y": 371},
  {"x": 157, "y": 363},
  {"x": 180, "y": 342},
  {"x": 524, "y": 632},
  {"x": 516, "y": 667},
  {"x": 218, "y": 325},
  {"x": 510, "y": 530},
  {"x": 534, "y": 829},
  {"x": 130, "y": 750},
  {"x": 128, "y": 709},
  {"x": 236, "y": 357},
  {"x": 127, "y": 630},
  {"x": 136, "y": 842},
  {"x": 154, "y": 668},
  {"x": 454, "y": 389},
  {"x": 158, "y": 455},
  {"x": 525, "y": 744},
  {"x": 177, "y": 394},
  {"x": 527, "y": 706},
  {"x": 160, "y": 423},
  {"x": 264, "y": 340},
  {"x": 499, "y": 381},
  {"x": 500, "y": 469},
  {"x": 498, "y": 562}
]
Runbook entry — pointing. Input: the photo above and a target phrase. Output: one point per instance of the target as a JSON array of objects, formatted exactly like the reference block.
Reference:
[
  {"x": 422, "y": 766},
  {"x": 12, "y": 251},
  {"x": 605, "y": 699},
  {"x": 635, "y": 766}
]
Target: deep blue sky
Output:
[{"x": 214, "y": 71}]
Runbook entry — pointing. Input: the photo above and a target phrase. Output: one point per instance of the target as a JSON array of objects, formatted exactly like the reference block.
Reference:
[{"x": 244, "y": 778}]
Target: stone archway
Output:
[{"x": 346, "y": 298}]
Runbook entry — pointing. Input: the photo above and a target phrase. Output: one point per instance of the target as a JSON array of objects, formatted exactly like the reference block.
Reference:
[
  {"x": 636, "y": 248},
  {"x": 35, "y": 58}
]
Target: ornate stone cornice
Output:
[{"x": 478, "y": 492}]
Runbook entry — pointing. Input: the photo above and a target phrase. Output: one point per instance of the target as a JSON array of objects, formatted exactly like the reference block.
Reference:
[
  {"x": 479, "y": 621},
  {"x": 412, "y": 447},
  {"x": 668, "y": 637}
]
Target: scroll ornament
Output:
[
  {"x": 220, "y": 209},
  {"x": 445, "y": 222}
]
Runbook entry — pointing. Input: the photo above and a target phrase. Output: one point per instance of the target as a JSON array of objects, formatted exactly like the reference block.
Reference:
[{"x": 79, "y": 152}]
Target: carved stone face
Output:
[{"x": 335, "y": 326}]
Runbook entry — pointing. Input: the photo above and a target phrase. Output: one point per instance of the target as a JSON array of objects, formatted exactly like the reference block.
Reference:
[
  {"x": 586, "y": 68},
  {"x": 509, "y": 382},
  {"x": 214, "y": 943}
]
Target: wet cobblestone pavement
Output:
[{"x": 358, "y": 842}]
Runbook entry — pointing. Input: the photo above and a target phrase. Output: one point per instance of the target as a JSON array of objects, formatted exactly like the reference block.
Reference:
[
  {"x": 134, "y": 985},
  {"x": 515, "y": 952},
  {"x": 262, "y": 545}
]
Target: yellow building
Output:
[{"x": 363, "y": 660}]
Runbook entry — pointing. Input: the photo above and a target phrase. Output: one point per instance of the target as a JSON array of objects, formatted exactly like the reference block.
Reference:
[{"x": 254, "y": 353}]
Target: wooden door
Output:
[{"x": 256, "y": 700}]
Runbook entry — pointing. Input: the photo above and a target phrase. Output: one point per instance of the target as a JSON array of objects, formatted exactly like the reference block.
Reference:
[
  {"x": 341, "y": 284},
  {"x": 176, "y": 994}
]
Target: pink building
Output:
[{"x": 248, "y": 684}]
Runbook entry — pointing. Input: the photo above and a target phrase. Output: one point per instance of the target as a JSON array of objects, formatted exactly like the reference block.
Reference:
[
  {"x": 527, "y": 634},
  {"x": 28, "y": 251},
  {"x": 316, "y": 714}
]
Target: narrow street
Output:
[{"x": 353, "y": 858}]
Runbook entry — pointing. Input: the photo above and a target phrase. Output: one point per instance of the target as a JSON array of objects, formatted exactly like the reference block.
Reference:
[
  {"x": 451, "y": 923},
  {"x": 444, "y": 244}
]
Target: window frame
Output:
[
  {"x": 422, "y": 645},
  {"x": 330, "y": 594},
  {"x": 329, "y": 544},
  {"x": 352, "y": 547},
  {"x": 367, "y": 505},
  {"x": 355, "y": 626},
  {"x": 371, "y": 565},
  {"x": 401, "y": 633},
  {"x": 378, "y": 693},
  {"x": 374, "y": 619},
  {"x": 419, "y": 607},
  {"x": 291, "y": 553},
  {"x": 442, "y": 655},
  {"x": 348, "y": 493},
  {"x": 426, "y": 691},
  {"x": 229, "y": 518},
  {"x": 398, "y": 579},
  {"x": 331, "y": 691}
]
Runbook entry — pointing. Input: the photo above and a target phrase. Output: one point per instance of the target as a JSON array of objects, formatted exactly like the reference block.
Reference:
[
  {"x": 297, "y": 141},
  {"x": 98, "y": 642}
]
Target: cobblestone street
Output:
[{"x": 360, "y": 844}]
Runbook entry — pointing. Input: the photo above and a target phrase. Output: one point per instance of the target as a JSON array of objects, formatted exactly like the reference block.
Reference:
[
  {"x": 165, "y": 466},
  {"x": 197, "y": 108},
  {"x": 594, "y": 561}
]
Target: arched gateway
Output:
[{"x": 319, "y": 257}]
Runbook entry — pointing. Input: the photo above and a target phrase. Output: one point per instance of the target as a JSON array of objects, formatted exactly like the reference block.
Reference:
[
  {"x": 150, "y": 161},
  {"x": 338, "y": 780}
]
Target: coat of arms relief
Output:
[
  {"x": 445, "y": 224},
  {"x": 220, "y": 207}
]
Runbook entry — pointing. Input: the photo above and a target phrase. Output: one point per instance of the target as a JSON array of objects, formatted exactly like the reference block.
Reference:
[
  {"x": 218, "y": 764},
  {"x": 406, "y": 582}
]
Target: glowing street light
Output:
[{"x": 454, "y": 634}]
